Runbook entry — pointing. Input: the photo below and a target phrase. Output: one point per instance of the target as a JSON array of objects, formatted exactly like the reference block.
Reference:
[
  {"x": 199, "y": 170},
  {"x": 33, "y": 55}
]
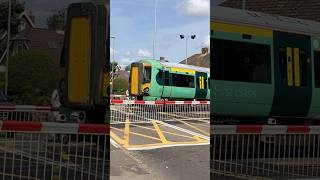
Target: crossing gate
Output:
[
  {"x": 265, "y": 152},
  {"x": 50, "y": 150},
  {"x": 145, "y": 111},
  {"x": 28, "y": 113}
]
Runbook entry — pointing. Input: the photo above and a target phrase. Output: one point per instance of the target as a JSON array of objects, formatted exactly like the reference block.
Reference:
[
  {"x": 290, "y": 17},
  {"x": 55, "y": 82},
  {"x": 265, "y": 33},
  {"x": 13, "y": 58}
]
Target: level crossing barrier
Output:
[
  {"x": 51, "y": 150},
  {"x": 265, "y": 152},
  {"x": 28, "y": 113},
  {"x": 145, "y": 111}
]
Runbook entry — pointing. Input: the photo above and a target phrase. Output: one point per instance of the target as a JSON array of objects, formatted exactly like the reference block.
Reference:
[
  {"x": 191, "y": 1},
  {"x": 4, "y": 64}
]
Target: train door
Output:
[
  {"x": 201, "y": 85},
  {"x": 292, "y": 57},
  {"x": 167, "y": 88}
]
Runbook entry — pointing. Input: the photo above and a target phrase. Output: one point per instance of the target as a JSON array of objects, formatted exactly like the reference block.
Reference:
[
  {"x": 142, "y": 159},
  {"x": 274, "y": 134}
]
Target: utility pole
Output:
[
  {"x": 243, "y": 4},
  {"x": 8, "y": 48},
  {"x": 112, "y": 64},
  {"x": 155, "y": 27}
]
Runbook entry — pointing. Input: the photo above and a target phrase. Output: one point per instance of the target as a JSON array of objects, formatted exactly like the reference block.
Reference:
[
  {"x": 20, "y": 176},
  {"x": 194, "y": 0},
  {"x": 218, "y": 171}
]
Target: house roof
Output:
[
  {"x": 201, "y": 60},
  {"x": 25, "y": 15},
  {"x": 264, "y": 20},
  {"x": 302, "y": 9}
]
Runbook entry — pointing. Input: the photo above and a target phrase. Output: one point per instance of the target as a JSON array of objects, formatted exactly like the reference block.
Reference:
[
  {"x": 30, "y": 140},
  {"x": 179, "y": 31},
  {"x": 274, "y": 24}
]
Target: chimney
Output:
[
  {"x": 205, "y": 50},
  {"x": 162, "y": 59}
]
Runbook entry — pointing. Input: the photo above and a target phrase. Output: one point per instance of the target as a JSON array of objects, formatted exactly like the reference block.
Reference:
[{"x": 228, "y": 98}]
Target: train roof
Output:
[
  {"x": 259, "y": 19},
  {"x": 185, "y": 66}
]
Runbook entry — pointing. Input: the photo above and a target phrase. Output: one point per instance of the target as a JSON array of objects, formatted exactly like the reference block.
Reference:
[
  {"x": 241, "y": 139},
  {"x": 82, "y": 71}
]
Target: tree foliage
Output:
[
  {"x": 128, "y": 68},
  {"x": 57, "y": 21},
  {"x": 17, "y": 8},
  {"x": 32, "y": 78},
  {"x": 120, "y": 85},
  {"x": 113, "y": 67}
]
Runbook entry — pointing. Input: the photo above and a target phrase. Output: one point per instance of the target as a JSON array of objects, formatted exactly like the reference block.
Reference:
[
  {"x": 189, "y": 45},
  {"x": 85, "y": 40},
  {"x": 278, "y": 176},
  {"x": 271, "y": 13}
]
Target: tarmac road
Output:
[{"x": 173, "y": 163}]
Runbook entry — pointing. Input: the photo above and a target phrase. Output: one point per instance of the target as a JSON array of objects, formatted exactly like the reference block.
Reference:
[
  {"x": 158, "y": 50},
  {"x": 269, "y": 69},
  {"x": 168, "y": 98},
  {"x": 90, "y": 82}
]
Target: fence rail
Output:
[
  {"x": 267, "y": 152},
  {"x": 146, "y": 111},
  {"x": 35, "y": 150}
]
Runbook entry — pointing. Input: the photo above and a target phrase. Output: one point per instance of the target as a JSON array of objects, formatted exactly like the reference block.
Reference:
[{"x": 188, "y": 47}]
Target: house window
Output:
[
  {"x": 52, "y": 45},
  {"x": 19, "y": 46}
]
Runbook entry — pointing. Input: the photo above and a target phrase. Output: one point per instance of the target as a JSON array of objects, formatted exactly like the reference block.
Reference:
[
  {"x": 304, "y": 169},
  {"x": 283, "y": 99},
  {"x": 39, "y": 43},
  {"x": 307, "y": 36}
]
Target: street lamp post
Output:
[
  {"x": 8, "y": 48},
  {"x": 112, "y": 64},
  {"x": 187, "y": 37},
  {"x": 155, "y": 27}
]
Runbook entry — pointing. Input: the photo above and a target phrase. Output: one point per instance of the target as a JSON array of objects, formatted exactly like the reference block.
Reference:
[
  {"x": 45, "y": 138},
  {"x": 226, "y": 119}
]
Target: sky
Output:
[{"x": 132, "y": 25}]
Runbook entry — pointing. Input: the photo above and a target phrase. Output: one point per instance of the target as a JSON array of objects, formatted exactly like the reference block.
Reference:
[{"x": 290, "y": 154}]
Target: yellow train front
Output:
[{"x": 156, "y": 80}]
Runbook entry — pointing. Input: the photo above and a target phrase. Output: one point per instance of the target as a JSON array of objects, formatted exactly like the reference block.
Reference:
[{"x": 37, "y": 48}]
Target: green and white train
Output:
[
  {"x": 160, "y": 80},
  {"x": 265, "y": 68}
]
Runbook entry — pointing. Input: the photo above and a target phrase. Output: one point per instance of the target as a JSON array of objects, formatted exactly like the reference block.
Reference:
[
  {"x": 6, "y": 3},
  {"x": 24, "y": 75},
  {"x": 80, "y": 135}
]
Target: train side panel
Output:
[{"x": 237, "y": 92}]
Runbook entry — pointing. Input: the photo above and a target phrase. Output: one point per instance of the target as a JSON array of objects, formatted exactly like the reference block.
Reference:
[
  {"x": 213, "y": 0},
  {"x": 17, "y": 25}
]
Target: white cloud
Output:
[
  {"x": 111, "y": 52},
  {"x": 206, "y": 42},
  {"x": 195, "y": 7},
  {"x": 144, "y": 53},
  {"x": 127, "y": 54}
]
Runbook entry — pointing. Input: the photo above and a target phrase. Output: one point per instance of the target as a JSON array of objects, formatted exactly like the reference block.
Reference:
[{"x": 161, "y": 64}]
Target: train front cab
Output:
[{"x": 140, "y": 79}]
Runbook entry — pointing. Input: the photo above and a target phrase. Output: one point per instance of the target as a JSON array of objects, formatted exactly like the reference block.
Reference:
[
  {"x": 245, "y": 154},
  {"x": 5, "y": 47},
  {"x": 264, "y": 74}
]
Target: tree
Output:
[
  {"x": 128, "y": 68},
  {"x": 57, "y": 21},
  {"x": 17, "y": 8},
  {"x": 120, "y": 85},
  {"x": 32, "y": 78},
  {"x": 114, "y": 67}
]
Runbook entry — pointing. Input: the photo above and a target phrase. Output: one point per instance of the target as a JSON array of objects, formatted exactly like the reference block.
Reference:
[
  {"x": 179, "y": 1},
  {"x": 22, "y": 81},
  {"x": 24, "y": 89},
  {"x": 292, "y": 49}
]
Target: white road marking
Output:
[
  {"x": 163, "y": 146},
  {"x": 114, "y": 143},
  {"x": 184, "y": 130}
]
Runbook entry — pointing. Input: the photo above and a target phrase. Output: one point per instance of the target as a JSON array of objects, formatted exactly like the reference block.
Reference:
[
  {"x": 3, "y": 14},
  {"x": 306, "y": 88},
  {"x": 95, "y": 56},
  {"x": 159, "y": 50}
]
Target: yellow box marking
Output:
[
  {"x": 138, "y": 134},
  {"x": 160, "y": 134},
  {"x": 289, "y": 66},
  {"x": 165, "y": 132},
  {"x": 181, "y": 70},
  {"x": 79, "y": 60},
  {"x": 297, "y": 80},
  {"x": 126, "y": 132},
  {"x": 116, "y": 138},
  {"x": 134, "y": 80},
  {"x": 240, "y": 29}
]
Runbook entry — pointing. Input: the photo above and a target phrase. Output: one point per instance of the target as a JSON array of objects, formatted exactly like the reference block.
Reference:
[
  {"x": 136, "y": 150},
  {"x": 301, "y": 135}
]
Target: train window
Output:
[
  {"x": 166, "y": 78},
  {"x": 293, "y": 66},
  {"x": 181, "y": 80},
  {"x": 241, "y": 61},
  {"x": 317, "y": 68},
  {"x": 147, "y": 74}
]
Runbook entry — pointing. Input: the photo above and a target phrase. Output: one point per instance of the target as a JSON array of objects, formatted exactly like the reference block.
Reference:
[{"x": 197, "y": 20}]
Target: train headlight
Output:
[{"x": 145, "y": 90}]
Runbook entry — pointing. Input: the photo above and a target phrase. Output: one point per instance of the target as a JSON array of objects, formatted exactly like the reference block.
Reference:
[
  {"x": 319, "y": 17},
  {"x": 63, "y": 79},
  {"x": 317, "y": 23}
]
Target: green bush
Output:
[
  {"x": 32, "y": 78},
  {"x": 120, "y": 85}
]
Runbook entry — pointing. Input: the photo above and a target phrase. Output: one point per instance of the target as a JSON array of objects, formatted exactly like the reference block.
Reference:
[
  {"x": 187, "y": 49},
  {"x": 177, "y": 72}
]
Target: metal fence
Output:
[
  {"x": 34, "y": 150},
  {"x": 28, "y": 113},
  {"x": 265, "y": 152},
  {"x": 145, "y": 111}
]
